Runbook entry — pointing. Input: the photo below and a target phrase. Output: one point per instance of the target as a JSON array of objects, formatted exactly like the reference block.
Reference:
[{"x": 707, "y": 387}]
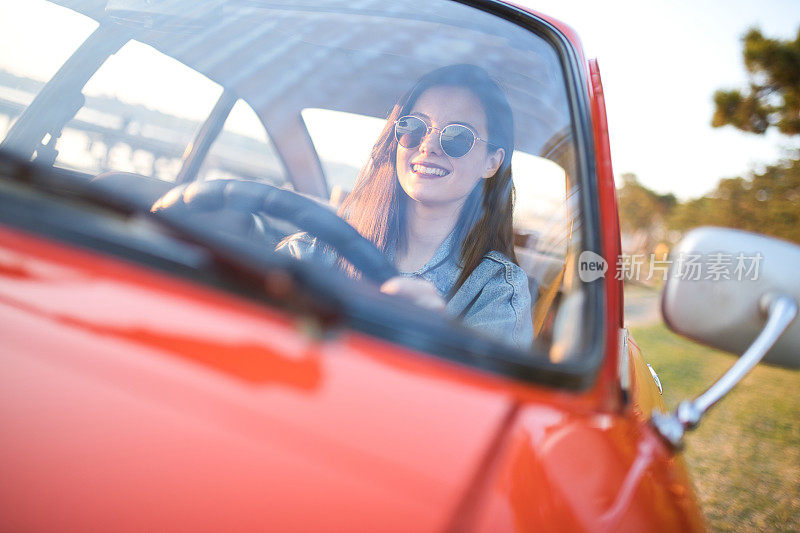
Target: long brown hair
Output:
[{"x": 376, "y": 206}]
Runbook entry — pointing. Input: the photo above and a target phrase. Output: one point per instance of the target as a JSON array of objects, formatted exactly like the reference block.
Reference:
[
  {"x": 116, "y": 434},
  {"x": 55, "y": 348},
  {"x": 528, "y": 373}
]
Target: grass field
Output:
[{"x": 745, "y": 456}]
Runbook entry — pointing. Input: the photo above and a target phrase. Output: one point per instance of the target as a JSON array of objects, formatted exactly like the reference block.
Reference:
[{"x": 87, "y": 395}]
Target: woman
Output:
[{"x": 437, "y": 198}]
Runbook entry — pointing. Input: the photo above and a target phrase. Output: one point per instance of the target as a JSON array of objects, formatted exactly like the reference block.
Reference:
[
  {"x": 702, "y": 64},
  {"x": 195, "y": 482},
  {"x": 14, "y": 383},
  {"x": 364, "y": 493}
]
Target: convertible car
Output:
[{"x": 167, "y": 366}]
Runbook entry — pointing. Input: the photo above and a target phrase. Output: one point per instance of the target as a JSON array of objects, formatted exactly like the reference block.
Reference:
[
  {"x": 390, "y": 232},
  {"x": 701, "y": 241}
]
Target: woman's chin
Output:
[
  {"x": 431, "y": 191},
  {"x": 420, "y": 191},
  {"x": 430, "y": 199}
]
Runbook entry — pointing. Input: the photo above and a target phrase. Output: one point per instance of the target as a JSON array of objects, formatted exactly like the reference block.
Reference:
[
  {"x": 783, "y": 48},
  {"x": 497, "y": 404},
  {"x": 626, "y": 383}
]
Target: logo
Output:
[{"x": 591, "y": 266}]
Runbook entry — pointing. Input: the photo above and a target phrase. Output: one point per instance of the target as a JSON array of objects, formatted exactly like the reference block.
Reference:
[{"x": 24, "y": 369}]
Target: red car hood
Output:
[{"x": 132, "y": 401}]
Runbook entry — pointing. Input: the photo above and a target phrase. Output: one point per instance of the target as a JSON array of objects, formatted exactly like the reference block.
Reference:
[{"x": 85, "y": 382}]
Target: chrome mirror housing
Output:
[
  {"x": 737, "y": 291},
  {"x": 717, "y": 285}
]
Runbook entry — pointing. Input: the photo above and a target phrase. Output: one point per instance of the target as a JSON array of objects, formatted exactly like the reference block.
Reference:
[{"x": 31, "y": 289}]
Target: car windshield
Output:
[{"x": 423, "y": 154}]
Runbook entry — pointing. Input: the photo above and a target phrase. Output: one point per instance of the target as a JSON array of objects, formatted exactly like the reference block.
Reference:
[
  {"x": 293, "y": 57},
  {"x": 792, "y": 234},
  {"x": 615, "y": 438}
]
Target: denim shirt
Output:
[{"x": 494, "y": 299}]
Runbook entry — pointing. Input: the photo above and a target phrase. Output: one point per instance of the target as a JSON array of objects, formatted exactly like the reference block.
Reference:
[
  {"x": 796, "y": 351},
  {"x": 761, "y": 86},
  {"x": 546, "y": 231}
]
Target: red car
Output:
[{"x": 170, "y": 363}]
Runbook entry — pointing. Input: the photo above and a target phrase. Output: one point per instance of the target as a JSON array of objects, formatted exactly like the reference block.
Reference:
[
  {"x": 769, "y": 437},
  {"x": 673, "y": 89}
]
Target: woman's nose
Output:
[{"x": 430, "y": 142}]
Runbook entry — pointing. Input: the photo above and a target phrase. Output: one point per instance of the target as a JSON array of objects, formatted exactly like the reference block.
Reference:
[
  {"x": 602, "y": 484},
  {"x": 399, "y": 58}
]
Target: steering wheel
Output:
[{"x": 255, "y": 197}]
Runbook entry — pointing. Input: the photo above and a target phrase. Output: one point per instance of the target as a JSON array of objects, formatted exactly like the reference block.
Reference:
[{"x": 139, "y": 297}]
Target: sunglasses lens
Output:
[
  {"x": 410, "y": 131},
  {"x": 457, "y": 140}
]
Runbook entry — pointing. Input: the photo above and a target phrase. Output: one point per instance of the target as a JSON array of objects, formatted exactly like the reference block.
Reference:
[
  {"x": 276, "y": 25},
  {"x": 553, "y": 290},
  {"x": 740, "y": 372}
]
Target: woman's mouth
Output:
[{"x": 428, "y": 170}]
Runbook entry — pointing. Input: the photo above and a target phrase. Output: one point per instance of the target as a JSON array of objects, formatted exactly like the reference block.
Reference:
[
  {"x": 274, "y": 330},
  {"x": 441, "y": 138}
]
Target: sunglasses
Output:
[{"x": 456, "y": 140}]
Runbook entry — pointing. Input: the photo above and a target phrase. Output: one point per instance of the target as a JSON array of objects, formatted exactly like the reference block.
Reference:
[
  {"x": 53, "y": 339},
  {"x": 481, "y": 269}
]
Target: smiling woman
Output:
[{"x": 437, "y": 198}]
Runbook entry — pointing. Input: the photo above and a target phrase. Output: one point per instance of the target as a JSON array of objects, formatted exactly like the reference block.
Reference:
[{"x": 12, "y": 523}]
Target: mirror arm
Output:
[{"x": 781, "y": 310}]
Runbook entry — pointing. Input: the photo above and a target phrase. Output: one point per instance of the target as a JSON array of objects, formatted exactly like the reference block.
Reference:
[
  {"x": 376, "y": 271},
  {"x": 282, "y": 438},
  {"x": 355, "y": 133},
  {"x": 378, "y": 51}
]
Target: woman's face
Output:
[{"x": 419, "y": 169}]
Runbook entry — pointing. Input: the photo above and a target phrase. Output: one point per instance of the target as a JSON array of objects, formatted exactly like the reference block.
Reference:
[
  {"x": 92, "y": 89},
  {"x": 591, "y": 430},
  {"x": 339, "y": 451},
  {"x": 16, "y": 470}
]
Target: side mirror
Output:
[
  {"x": 736, "y": 291},
  {"x": 717, "y": 295}
]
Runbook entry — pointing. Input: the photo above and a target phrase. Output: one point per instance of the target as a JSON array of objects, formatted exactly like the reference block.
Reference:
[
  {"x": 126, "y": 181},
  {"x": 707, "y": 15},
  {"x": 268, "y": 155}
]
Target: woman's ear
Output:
[{"x": 493, "y": 162}]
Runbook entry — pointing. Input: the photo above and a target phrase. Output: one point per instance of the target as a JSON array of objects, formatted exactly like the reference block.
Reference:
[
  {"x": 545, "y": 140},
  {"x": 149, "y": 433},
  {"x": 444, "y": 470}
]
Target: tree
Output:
[
  {"x": 773, "y": 97},
  {"x": 643, "y": 211},
  {"x": 768, "y": 202}
]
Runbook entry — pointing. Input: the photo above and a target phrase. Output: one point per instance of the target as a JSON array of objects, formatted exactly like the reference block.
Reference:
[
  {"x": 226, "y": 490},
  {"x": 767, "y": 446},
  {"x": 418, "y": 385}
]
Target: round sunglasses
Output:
[{"x": 456, "y": 140}]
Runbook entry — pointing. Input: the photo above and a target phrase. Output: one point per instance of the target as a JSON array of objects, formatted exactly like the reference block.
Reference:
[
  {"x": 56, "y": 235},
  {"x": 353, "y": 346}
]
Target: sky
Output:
[{"x": 660, "y": 60}]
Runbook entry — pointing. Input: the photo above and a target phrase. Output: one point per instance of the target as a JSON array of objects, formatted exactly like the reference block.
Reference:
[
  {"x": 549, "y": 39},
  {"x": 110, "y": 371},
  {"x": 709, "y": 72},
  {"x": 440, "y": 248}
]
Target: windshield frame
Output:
[{"x": 580, "y": 372}]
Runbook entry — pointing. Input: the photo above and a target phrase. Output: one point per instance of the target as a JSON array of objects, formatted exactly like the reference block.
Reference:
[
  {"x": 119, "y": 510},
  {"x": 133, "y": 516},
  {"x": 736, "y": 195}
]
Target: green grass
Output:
[{"x": 745, "y": 455}]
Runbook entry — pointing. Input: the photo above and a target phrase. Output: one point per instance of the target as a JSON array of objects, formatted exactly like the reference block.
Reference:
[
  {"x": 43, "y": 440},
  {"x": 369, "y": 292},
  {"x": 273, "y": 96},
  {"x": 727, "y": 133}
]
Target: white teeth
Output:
[{"x": 430, "y": 171}]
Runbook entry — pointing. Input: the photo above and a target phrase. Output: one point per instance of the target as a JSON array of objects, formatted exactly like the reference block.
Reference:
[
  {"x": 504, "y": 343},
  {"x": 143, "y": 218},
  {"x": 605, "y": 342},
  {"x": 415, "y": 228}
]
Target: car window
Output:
[
  {"x": 136, "y": 119},
  {"x": 35, "y": 41},
  {"x": 133, "y": 118},
  {"x": 439, "y": 144},
  {"x": 243, "y": 150},
  {"x": 341, "y": 156}
]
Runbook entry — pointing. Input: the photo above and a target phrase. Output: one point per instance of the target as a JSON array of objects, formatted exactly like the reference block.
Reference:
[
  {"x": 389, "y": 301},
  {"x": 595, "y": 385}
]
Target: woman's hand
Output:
[{"x": 418, "y": 291}]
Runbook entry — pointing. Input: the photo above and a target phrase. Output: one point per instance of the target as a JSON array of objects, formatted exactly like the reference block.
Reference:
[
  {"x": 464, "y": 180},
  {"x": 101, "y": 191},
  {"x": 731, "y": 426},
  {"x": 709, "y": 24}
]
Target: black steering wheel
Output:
[{"x": 256, "y": 197}]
